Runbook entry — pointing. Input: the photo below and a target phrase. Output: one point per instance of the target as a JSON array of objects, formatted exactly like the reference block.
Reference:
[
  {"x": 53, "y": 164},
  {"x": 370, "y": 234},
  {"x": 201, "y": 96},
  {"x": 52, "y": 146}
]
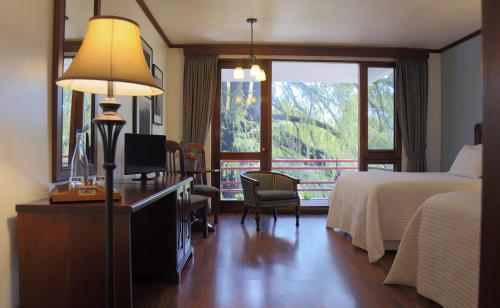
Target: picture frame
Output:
[
  {"x": 142, "y": 115},
  {"x": 158, "y": 99},
  {"x": 148, "y": 53}
]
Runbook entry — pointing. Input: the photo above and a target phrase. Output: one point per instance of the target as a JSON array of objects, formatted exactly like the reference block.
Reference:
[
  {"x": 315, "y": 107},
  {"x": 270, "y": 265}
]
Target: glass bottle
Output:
[{"x": 79, "y": 163}]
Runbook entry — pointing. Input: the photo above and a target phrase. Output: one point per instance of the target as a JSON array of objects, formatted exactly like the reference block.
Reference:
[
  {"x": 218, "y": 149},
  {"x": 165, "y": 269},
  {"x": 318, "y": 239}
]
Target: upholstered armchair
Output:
[{"x": 268, "y": 189}]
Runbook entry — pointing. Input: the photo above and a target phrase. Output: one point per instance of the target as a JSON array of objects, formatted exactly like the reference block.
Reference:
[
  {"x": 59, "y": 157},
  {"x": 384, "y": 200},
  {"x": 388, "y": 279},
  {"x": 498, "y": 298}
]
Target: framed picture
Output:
[
  {"x": 158, "y": 99},
  {"x": 142, "y": 111},
  {"x": 148, "y": 54}
]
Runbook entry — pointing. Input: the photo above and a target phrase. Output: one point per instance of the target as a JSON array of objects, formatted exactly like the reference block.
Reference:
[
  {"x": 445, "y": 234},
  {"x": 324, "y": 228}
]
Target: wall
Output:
[
  {"x": 434, "y": 114},
  {"x": 174, "y": 83},
  {"x": 461, "y": 98},
  {"x": 25, "y": 56}
]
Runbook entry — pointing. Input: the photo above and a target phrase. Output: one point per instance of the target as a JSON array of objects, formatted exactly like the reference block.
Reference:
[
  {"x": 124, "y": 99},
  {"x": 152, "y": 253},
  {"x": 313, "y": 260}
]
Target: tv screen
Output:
[{"x": 144, "y": 153}]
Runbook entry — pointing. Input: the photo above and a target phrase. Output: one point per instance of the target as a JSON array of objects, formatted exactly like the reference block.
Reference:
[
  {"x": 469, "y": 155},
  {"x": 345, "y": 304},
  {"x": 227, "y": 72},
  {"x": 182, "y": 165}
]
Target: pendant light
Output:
[{"x": 256, "y": 71}]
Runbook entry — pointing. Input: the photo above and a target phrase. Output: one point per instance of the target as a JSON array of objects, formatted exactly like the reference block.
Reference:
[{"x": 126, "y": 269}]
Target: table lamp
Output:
[{"x": 111, "y": 62}]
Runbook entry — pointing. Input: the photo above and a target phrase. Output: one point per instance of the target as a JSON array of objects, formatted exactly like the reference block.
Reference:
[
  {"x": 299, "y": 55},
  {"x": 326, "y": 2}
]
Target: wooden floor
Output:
[{"x": 279, "y": 267}]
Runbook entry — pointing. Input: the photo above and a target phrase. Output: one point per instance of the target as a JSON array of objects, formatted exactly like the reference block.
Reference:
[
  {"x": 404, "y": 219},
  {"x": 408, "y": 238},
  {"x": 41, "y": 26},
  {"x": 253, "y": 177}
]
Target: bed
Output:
[
  {"x": 375, "y": 207},
  {"x": 439, "y": 252}
]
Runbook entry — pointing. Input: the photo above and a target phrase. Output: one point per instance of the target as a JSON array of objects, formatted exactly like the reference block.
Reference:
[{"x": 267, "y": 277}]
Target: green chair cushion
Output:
[
  {"x": 276, "y": 195},
  {"x": 204, "y": 189}
]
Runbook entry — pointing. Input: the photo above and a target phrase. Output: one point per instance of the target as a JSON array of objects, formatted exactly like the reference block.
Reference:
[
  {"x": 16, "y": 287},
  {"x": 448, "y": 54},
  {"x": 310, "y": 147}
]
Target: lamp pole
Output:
[{"x": 109, "y": 123}]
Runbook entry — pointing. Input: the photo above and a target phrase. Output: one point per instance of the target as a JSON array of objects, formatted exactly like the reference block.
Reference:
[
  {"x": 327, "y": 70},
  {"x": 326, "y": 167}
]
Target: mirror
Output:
[{"x": 71, "y": 110}]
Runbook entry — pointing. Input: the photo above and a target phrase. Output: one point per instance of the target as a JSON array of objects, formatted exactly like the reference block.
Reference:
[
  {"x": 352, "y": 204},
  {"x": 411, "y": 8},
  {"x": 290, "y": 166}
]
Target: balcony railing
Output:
[{"x": 317, "y": 175}]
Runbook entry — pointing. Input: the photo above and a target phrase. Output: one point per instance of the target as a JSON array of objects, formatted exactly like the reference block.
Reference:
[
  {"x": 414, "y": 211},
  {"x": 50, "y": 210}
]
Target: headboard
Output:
[{"x": 478, "y": 133}]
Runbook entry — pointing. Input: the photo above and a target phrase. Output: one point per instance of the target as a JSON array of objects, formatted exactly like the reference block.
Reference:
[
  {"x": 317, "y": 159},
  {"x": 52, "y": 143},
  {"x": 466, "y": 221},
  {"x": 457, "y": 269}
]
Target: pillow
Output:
[{"x": 469, "y": 162}]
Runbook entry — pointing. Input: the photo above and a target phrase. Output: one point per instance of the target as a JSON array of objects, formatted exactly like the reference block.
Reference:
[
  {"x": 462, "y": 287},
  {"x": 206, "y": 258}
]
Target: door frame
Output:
[{"x": 264, "y": 156}]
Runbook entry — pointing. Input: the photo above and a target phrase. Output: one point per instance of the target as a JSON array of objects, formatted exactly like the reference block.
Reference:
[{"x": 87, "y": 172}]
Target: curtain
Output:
[
  {"x": 200, "y": 78},
  {"x": 411, "y": 78}
]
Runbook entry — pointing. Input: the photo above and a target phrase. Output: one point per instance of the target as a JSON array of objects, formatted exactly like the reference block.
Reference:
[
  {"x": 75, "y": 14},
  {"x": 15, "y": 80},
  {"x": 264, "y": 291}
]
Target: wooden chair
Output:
[
  {"x": 175, "y": 165},
  {"x": 268, "y": 189},
  {"x": 200, "y": 176}
]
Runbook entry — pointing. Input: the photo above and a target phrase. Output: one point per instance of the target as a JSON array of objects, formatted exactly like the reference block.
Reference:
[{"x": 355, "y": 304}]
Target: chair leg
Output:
[
  {"x": 215, "y": 204},
  {"x": 245, "y": 212},
  {"x": 257, "y": 219},
  {"x": 205, "y": 221},
  {"x": 275, "y": 212},
  {"x": 297, "y": 215}
]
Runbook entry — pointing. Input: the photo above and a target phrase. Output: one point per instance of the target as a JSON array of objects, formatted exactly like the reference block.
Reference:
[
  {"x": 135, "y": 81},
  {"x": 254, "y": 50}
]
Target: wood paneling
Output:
[
  {"x": 296, "y": 50},
  {"x": 490, "y": 226}
]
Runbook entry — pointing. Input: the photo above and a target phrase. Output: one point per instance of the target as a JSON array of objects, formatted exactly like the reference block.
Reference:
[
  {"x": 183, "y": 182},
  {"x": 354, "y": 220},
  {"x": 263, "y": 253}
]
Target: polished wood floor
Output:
[{"x": 279, "y": 267}]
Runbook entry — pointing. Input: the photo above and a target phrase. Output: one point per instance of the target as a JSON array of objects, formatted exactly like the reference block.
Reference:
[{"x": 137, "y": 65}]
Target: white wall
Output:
[
  {"x": 434, "y": 114},
  {"x": 25, "y": 55},
  {"x": 174, "y": 84}
]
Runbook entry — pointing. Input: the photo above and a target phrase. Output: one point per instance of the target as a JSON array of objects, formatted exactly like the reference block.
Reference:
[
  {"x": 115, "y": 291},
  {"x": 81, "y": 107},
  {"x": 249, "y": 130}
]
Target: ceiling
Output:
[{"x": 430, "y": 24}]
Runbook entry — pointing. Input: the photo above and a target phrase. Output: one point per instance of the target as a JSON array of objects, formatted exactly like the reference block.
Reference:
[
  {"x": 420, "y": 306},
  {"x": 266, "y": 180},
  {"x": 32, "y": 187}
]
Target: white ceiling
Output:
[{"x": 382, "y": 23}]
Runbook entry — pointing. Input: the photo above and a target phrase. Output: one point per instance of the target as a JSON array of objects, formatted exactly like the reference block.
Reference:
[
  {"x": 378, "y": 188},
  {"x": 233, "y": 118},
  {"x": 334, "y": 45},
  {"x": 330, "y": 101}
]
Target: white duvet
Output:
[
  {"x": 376, "y": 206},
  {"x": 439, "y": 252}
]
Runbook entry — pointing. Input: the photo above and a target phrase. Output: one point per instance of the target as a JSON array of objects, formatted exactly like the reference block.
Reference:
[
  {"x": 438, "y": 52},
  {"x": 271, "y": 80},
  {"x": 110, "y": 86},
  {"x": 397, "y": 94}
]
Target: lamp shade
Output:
[{"x": 111, "y": 51}]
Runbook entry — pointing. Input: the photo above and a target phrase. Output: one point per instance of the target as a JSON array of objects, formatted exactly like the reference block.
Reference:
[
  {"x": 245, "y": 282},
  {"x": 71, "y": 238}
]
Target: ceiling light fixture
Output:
[{"x": 255, "y": 70}]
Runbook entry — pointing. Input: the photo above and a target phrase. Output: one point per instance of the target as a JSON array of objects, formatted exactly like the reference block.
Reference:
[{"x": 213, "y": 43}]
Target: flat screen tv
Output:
[{"x": 144, "y": 154}]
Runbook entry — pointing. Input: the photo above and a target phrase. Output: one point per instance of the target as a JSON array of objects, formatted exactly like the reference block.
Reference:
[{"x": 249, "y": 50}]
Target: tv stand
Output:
[{"x": 144, "y": 178}]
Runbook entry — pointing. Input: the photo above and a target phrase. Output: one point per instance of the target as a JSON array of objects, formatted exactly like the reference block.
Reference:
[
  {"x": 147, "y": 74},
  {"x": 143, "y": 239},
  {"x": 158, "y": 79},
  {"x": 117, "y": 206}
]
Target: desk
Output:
[{"x": 62, "y": 246}]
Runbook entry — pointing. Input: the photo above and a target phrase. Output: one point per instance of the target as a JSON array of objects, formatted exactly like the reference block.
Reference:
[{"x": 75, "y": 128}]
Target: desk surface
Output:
[{"x": 135, "y": 195}]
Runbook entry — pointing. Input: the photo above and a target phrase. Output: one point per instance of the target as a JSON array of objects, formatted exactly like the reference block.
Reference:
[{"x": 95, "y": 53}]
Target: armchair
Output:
[{"x": 268, "y": 189}]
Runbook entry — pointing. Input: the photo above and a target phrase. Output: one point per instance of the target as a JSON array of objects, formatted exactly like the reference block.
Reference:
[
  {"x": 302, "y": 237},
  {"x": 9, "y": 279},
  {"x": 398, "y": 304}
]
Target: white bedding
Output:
[
  {"x": 439, "y": 252},
  {"x": 376, "y": 206}
]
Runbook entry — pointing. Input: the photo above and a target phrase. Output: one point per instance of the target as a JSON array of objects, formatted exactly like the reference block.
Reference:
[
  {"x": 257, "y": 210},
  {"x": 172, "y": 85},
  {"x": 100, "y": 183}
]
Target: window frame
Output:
[
  {"x": 376, "y": 156},
  {"x": 366, "y": 156}
]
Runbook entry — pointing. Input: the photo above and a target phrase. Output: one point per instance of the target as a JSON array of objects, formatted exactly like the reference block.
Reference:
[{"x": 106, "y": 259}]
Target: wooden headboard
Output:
[{"x": 478, "y": 133}]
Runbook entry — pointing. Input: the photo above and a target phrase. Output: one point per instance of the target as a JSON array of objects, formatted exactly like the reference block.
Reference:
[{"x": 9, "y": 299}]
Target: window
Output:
[
  {"x": 380, "y": 136},
  {"x": 381, "y": 119},
  {"x": 315, "y": 116},
  {"x": 311, "y": 120},
  {"x": 240, "y": 106}
]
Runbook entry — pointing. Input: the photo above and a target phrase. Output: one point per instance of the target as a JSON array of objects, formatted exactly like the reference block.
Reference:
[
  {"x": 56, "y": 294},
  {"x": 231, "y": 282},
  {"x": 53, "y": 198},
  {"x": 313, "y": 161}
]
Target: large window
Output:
[
  {"x": 315, "y": 116},
  {"x": 311, "y": 120}
]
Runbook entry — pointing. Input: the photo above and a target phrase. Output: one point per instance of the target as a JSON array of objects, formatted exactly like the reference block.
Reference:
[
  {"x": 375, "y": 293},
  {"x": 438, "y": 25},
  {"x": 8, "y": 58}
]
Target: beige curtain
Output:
[{"x": 200, "y": 78}]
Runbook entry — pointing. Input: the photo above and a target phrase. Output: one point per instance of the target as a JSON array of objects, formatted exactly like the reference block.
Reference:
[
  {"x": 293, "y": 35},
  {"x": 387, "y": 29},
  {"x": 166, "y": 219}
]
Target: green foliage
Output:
[
  {"x": 239, "y": 197},
  {"x": 310, "y": 120}
]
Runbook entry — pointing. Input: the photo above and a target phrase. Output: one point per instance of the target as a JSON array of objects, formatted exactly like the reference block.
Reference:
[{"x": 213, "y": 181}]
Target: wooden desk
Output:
[{"x": 61, "y": 246}]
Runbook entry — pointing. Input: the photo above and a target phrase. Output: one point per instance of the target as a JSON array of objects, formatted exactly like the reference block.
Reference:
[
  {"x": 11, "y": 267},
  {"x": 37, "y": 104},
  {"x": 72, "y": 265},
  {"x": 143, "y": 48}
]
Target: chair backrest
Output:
[
  {"x": 175, "y": 162},
  {"x": 200, "y": 163}
]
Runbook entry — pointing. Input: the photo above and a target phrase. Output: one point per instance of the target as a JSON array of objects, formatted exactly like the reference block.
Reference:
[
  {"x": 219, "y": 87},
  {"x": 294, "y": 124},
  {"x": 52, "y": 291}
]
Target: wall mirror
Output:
[{"x": 71, "y": 110}]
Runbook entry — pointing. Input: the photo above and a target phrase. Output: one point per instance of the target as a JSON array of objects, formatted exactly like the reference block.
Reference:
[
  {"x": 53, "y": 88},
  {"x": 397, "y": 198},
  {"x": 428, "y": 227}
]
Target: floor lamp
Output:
[{"x": 110, "y": 62}]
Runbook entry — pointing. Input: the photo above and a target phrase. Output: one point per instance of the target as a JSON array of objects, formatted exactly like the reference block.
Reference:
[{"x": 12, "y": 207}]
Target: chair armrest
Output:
[{"x": 249, "y": 189}]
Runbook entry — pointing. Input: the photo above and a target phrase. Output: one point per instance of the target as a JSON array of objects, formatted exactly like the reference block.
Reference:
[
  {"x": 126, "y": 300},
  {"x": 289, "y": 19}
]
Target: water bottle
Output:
[{"x": 79, "y": 163}]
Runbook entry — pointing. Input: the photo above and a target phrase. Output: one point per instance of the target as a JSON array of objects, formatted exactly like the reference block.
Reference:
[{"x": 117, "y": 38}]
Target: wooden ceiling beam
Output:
[{"x": 305, "y": 50}]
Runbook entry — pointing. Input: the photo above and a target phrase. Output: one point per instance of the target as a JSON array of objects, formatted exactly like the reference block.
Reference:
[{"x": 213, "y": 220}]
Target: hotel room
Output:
[{"x": 237, "y": 153}]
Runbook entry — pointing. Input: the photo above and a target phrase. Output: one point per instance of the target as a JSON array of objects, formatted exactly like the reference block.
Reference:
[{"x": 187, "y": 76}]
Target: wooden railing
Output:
[{"x": 295, "y": 166}]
